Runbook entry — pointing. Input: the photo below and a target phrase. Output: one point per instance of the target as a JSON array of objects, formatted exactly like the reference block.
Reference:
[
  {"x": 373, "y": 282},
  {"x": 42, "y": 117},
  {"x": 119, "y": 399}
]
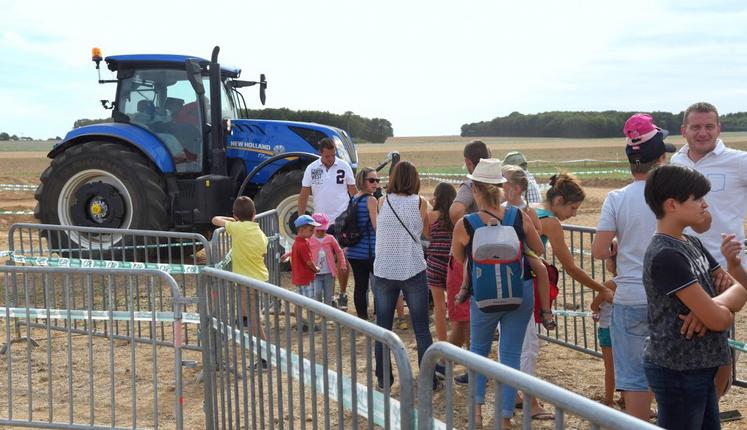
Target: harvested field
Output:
[{"x": 573, "y": 370}]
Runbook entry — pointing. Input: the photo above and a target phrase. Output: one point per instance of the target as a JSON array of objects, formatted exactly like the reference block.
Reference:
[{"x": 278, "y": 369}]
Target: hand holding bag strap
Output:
[{"x": 400, "y": 220}]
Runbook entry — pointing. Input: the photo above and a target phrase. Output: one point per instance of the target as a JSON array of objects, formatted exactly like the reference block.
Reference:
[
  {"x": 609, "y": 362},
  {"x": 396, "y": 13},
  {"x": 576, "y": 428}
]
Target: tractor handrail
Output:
[{"x": 270, "y": 160}]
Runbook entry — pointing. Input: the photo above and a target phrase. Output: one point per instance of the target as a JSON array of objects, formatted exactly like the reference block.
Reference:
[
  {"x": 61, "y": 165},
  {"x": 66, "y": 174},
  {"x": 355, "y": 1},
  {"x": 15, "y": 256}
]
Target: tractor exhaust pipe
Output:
[{"x": 217, "y": 148}]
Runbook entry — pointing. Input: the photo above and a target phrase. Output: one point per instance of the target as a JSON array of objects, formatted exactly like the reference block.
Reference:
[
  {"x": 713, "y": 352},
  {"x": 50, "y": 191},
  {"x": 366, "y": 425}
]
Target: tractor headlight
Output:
[{"x": 341, "y": 151}]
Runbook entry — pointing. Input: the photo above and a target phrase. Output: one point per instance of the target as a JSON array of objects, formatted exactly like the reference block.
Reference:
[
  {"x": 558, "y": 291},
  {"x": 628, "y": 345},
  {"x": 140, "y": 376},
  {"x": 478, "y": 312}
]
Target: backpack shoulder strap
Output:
[
  {"x": 509, "y": 216},
  {"x": 472, "y": 222}
]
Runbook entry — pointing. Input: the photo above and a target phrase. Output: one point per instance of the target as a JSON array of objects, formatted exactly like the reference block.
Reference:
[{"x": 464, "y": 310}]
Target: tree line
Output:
[
  {"x": 375, "y": 130},
  {"x": 583, "y": 124},
  {"x": 4, "y": 137},
  {"x": 360, "y": 129}
]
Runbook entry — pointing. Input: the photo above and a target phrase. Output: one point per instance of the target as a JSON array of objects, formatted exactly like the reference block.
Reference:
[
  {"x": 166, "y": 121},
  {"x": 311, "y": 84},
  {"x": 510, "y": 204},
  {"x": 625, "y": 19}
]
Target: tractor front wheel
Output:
[{"x": 281, "y": 194}]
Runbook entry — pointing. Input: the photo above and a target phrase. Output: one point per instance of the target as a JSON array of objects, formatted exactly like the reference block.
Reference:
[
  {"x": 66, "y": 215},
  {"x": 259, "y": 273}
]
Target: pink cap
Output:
[
  {"x": 322, "y": 219},
  {"x": 639, "y": 128}
]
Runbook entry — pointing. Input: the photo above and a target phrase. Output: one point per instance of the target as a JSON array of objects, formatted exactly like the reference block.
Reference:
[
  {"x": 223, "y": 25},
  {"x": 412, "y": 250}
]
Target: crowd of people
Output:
[{"x": 672, "y": 240}]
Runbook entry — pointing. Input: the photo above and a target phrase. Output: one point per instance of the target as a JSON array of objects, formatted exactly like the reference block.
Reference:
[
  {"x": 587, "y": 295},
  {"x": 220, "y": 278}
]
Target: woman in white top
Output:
[{"x": 400, "y": 264}]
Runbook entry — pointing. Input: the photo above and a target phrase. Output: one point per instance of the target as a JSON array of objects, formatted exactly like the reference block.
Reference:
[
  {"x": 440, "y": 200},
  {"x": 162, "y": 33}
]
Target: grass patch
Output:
[{"x": 27, "y": 146}]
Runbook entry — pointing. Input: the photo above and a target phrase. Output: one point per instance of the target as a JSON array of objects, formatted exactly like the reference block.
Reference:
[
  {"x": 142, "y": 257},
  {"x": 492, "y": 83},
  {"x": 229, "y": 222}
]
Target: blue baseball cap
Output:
[{"x": 305, "y": 220}]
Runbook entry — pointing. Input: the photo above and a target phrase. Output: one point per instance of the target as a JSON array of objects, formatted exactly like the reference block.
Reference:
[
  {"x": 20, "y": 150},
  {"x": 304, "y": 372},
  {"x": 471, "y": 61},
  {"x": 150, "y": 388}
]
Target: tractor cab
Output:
[{"x": 157, "y": 93}]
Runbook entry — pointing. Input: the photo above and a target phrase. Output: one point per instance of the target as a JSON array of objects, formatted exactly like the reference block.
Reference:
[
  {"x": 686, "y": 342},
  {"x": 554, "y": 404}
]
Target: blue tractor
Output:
[{"x": 176, "y": 152}]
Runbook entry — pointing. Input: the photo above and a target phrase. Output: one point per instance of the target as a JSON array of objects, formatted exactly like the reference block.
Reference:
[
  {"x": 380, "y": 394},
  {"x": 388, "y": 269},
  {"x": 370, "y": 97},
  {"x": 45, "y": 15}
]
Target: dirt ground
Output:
[{"x": 575, "y": 371}]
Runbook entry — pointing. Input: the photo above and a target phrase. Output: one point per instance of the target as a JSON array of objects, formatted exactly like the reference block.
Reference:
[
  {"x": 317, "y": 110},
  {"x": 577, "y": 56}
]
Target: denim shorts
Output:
[
  {"x": 629, "y": 331},
  {"x": 603, "y": 333}
]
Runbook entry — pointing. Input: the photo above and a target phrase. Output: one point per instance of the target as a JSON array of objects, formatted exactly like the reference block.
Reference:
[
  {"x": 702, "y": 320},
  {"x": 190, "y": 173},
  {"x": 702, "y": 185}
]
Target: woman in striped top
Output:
[
  {"x": 438, "y": 252},
  {"x": 361, "y": 255}
]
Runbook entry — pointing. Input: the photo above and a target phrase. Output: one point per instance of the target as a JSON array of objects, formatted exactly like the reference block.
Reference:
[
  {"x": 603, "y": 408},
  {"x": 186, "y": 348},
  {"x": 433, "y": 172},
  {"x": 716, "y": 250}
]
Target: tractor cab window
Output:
[
  {"x": 164, "y": 102},
  {"x": 226, "y": 101}
]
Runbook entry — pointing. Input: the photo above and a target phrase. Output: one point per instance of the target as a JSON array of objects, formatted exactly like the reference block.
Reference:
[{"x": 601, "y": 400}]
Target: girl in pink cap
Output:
[{"x": 324, "y": 249}]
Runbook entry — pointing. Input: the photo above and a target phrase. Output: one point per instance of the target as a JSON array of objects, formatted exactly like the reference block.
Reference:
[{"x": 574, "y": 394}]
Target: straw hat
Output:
[{"x": 489, "y": 171}]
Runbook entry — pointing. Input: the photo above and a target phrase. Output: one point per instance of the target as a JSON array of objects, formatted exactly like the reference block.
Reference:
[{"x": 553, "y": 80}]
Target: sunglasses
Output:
[{"x": 372, "y": 180}]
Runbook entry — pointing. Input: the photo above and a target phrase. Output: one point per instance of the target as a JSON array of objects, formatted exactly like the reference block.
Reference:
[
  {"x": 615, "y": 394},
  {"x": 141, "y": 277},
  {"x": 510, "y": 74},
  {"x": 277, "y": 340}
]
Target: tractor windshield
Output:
[{"x": 164, "y": 102}]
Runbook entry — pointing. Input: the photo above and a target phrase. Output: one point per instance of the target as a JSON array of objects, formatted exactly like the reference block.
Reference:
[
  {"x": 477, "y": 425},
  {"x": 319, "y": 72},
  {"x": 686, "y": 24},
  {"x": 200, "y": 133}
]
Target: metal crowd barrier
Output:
[
  {"x": 320, "y": 361},
  {"x": 180, "y": 254},
  {"x": 565, "y": 402},
  {"x": 268, "y": 223},
  {"x": 78, "y": 379},
  {"x": 576, "y": 329}
]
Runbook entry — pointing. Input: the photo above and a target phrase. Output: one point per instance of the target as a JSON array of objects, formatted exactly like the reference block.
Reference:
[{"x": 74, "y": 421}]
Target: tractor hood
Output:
[{"x": 274, "y": 137}]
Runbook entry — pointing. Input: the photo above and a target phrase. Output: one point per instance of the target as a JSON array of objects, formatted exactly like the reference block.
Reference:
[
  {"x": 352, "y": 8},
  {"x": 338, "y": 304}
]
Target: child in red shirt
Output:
[{"x": 303, "y": 268}]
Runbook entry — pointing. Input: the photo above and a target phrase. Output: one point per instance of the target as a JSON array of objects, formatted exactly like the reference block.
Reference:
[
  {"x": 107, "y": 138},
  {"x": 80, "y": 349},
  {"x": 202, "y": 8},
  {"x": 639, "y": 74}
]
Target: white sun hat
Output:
[{"x": 489, "y": 171}]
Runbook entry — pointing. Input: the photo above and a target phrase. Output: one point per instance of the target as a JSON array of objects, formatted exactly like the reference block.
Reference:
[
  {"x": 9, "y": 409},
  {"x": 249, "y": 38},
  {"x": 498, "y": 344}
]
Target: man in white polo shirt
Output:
[
  {"x": 331, "y": 181},
  {"x": 726, "y": 169}
]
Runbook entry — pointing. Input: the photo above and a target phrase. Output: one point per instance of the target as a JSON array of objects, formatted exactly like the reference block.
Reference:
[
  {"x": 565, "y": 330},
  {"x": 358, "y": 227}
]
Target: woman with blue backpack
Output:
[
  {"x": 490, "y": 242},
  {"x": 361, "y": 255}
]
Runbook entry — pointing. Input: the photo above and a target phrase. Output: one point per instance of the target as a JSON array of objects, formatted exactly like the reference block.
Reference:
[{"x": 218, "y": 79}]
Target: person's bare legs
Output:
[
  {"x": 609, "y": 376},
  {"x": 638, "y": 403},
  {"x": 439, "y": 312},
  {"x": 342, "y": 278},
  {"x": 400, "y": 307},
  {"x": 459, "y": 334}
]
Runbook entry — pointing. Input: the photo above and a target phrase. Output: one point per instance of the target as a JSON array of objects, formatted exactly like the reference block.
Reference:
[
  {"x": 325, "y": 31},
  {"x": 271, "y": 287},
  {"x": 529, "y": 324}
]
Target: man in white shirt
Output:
[
  {"x": 331, "y": 181},
  {"x": 626, "y": 216},
  {"x": 726, "y": 169}
]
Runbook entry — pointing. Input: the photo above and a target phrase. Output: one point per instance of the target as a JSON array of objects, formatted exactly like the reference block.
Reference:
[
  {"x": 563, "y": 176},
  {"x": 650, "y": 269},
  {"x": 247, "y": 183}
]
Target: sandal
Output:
[
  {"x": 462, "y": 295},
  {"x": 548, "y": 322},
  {"x": 543, "y": 416}
]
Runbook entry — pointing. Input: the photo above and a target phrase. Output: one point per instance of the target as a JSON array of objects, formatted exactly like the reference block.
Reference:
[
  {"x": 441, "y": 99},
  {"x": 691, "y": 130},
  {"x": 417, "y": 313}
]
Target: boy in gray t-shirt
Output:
[{"x": 677, "y": 277}]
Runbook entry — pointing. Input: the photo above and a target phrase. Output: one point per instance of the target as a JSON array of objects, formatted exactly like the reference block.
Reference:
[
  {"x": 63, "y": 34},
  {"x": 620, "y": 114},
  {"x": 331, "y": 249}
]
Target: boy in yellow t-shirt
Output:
[{"x": 249, "y": 246}]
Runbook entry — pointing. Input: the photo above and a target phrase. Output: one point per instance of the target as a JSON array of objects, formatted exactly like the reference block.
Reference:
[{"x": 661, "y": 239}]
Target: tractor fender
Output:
[{"x": 128, "y": 134}]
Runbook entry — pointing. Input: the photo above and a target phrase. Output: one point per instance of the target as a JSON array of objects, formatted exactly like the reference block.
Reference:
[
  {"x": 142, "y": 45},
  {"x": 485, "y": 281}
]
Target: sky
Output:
[{"x": 426, "y": 66}]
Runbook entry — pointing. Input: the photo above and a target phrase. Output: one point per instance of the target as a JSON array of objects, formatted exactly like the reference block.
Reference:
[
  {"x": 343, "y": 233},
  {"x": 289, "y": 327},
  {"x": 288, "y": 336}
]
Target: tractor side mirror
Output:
[
  {"x": 262, "y": 88},
  {"x": 194, "y": 74}
]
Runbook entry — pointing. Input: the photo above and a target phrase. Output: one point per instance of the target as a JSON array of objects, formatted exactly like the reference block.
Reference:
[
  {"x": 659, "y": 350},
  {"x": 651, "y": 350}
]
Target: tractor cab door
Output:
[{"x": 164, "y": 102}]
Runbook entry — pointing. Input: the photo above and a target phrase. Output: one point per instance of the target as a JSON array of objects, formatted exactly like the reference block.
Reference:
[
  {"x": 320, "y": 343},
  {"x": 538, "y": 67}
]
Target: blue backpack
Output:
[{"x": 496, "y": 287}]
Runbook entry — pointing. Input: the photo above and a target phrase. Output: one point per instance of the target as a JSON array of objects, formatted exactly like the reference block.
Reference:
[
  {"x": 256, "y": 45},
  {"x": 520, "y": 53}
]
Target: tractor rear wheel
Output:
[
  {"x": 281, "y": 194},
  {"x": 101, "y": 184}
]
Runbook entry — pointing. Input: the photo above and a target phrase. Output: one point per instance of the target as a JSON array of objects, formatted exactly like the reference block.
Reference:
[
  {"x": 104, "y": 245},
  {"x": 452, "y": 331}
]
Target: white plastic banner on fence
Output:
[
  {"x": 18, "y": 187},
  {"x": 103, "y": 264},
  {"x": 83, "y": 315},
  {"x": 6, "y": 212}
]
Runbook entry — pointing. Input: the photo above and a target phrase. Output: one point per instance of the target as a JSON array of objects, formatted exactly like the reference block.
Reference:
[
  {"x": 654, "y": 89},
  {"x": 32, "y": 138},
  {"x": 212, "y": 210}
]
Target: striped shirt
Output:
[
  {"x": 438, "y": 254},
  {"x": 533, "y": 191}
]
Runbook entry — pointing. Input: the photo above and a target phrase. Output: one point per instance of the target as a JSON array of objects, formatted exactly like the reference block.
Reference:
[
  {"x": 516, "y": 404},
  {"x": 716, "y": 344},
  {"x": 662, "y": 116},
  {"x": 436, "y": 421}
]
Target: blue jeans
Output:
[
  {"x": 629, "y": 330},
  {"x": 482, "y": 327},
  {"x": 415, "y": 292},
  {"x": 324, "y": 287},
  {"x": 686, "y": 398}
]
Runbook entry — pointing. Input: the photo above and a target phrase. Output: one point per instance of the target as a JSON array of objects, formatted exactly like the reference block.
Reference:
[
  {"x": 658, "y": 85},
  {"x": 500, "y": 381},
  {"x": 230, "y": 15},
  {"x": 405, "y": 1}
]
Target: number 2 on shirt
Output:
[{"x": 340, "y": 176}]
